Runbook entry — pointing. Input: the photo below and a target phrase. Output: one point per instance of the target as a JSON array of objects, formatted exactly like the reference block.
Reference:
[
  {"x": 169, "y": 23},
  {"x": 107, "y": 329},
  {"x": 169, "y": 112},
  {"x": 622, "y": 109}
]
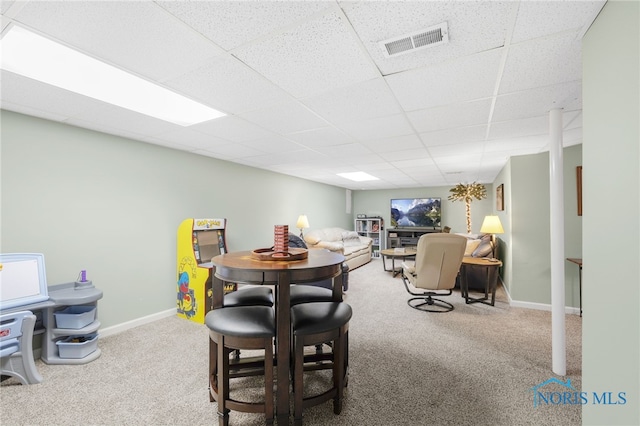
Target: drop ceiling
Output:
[{"x": 309, "y": 92}]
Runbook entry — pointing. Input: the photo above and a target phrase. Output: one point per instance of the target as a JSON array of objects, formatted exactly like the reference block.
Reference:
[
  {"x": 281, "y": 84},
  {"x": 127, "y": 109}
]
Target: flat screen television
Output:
[{"x": 416, "y": 213}]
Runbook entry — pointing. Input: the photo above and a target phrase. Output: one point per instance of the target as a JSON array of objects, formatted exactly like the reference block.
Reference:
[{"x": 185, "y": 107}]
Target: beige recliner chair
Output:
[{"x": 437, "y": 264}]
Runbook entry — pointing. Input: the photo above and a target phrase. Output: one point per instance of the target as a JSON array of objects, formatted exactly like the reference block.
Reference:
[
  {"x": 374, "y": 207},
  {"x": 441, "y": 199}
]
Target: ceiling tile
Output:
[
  {"x": 300, "y": 61},
  {"x": 454, "y": 136},
  {"x": 546, "y": 62},
  {"x": 272, "y": 144},
  {"x": 193, "y": 139},
  {"x": 522, "y": 127},
  {"x": 406, "y": 154},
  {"x": 233, "y": 23},
  {"x": 322, "y": 137},
  {"x": 539, "y": 19},
  {"x": 5, "y": 5},
  {"x": 35, "y": 95},
  {"x": 228, "y": 85},
  {"x": 285, "y": 118},
  {"x": 26, "y": 110},
  {"x": 137, "y": 36},
  {"x": 448, "y": 116},
  {"x": 382, "y": 127},
  {"x": 465, "y": 79},
  {"x": 459, "y": 161},
  {"x": 473, "y": 27},
  {"x": 232, "y": 129},
  {"x": 395, "y": 143},
  {"x": 299, "y": 156},
  {"x": 350, "y": 150},
  {"x": 572, "y": 119},
  {"x": 572, "y": 137},
  {"x": 231, "y": 151},
  {"x": 359, "y": 101},
  {"x": 456, "y": 149},
  {"x": 119, "y": 118},
  {"x": 517, "y": 144},
  {"x": 538, "y": 101}
]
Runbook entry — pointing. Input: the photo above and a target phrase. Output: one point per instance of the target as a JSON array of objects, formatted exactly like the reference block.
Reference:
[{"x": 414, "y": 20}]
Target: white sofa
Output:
[{"x": 355, "y": 248}]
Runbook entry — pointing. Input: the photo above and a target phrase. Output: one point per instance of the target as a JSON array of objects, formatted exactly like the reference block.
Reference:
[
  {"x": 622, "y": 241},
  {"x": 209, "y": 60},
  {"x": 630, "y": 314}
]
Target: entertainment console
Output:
[{"x": 399, "y": 237}]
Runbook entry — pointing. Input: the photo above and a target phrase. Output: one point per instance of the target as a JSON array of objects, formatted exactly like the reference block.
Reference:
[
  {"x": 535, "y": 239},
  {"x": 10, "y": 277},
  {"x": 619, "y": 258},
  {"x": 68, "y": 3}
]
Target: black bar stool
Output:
[
  {"x": 316, "y": 323},
  {"x": 302, "y": 293},
  {"x": 249, "y": 296},
  {"x": 234, "y": 328}
]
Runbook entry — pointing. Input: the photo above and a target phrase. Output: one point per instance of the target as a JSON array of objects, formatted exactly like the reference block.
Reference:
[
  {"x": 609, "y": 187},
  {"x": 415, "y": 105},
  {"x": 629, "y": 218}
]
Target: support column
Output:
[{"x": 556, "y": 191}]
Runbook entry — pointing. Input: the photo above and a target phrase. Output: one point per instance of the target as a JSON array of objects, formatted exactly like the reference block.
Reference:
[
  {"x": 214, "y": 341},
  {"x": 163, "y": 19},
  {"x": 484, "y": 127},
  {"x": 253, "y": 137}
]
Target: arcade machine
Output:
[{"x": 199, "y": 240}]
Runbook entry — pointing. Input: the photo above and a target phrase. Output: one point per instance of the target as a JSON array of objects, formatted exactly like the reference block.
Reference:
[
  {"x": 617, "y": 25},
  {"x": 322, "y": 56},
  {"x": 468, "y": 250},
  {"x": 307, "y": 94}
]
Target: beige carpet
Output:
[{"x": 473, "y": 366}]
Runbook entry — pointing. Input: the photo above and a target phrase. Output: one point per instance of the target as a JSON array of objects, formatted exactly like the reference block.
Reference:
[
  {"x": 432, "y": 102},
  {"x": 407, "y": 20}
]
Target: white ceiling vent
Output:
[{"x": 432, "y": 36}]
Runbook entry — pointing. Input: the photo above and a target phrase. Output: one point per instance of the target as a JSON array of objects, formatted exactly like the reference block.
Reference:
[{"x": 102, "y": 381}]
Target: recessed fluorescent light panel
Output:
[
  {"x": 36, "y": 57},
  {"x": 358, "y": 176}
]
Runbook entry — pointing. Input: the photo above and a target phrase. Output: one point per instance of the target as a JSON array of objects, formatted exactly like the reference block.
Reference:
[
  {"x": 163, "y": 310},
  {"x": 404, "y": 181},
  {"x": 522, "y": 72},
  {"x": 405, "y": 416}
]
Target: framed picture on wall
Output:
[
  {"x": 579, "y": 188},
  {"x": 500, "y": 197}
]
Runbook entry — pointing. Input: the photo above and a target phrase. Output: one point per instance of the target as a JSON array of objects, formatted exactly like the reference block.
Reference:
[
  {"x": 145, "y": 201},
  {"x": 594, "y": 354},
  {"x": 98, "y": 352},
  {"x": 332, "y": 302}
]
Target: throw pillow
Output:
[
  {"x": 295, "y": 241},
  {"x": 484, "y": 249},
  {"x": 351, "y": 238},
  {"x": 472, "y": 245}
]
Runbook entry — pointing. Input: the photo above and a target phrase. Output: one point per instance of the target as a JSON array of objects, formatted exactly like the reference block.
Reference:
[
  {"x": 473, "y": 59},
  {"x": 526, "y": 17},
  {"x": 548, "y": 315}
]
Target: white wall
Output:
[
  {"x": 112, "y": 206},
  {"x": 611, "y": 225}
]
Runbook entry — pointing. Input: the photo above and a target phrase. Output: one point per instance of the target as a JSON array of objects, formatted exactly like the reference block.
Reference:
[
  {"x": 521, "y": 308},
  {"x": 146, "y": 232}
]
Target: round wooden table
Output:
[
  {"x": 242, "y": 267},
  {"x": 491, "y": 266},
  {"x": 393, "y": 254}
]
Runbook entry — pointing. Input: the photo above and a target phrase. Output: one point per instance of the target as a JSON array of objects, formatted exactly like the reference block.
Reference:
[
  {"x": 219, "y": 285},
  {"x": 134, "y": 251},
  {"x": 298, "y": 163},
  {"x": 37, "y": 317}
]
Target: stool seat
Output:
[
  {"x": 255, "y": 322},
  {"x": 249, "y": 296},
  {"x": 302, "y": 293},
  {"x": 318, "y": 317}
]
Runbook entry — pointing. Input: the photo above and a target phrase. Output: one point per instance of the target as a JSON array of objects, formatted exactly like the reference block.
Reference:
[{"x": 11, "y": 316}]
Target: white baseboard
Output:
[
  {"x": 542, "y": 307},
  {"x": 109, "y": 331},
  {"x": 538, "y": 306}
]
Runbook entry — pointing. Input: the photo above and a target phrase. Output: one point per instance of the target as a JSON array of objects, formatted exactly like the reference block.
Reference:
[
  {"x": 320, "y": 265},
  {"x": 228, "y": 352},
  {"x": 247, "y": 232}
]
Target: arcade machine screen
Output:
[{"x": 209, "y": 244}]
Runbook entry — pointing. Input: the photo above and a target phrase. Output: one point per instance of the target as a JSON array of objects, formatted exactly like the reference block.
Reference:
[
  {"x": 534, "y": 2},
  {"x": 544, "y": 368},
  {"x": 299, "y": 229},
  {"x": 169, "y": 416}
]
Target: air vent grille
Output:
[{"x": 430, "y": 37}]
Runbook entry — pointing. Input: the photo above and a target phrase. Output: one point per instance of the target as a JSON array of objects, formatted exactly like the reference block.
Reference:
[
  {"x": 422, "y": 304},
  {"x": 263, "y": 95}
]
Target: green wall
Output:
[
  {"x": 112, "y": 206},
  {"x": 611, "y": 179},
  {"x": 528, "y": 210},
  {"x": 505, "y": 247}
]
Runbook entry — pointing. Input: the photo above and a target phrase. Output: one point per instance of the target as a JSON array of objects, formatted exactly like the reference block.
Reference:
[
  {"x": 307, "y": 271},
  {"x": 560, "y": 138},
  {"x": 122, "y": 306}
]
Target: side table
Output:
[
  {"x": 393, "y": 254},
  {"x": 491, "y": 267}
]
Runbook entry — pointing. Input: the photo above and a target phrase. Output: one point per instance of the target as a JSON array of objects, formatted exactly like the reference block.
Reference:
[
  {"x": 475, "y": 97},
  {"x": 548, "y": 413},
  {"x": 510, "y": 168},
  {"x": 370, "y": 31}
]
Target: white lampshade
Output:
[
  {"x": 492, "y": 225},
  {"x": 303, "y": 222}
]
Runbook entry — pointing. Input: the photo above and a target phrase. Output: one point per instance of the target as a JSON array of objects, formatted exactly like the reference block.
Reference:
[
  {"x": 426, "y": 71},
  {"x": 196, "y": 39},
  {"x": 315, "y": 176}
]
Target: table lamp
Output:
[
  {"x": 492, "y": 225},
  {"x": 302, "y": 223}
]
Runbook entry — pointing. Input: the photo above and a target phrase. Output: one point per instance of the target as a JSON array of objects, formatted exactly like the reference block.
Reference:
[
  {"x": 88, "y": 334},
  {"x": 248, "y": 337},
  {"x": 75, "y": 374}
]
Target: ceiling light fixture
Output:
[
  {"x": 358, "y": 176},
  {"x": 36, "y": 57}
]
